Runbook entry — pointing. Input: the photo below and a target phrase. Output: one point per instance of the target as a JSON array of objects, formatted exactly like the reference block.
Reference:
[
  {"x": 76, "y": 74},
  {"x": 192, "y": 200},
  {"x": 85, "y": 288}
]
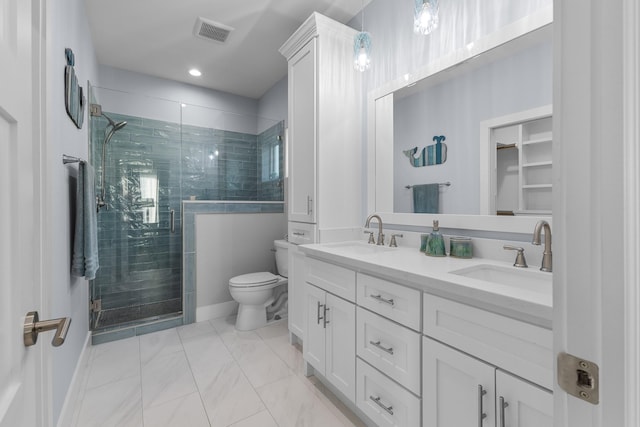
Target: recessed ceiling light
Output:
[{"x": 195, "y": 72}]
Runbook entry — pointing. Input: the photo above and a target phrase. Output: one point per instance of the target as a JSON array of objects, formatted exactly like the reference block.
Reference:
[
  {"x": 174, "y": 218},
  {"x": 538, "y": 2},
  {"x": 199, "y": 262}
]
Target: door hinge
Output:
[
  {"x": 95, "y": 305},
  {"x": 95, "y": 110},
  {"x": 579, "y": 377}
]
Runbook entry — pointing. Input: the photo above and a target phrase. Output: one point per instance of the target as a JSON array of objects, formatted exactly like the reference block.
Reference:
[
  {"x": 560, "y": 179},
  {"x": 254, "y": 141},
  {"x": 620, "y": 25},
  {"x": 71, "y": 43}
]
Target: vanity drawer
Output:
[
  {"x": 518, "y": 347},
  {"x": 384, "y": 401},
  {"x": 337, "y": 280},
  {"x": 389, "y": 347},
  {"x": 301, "y": 233},
  {"x": 398, "y": 303}
]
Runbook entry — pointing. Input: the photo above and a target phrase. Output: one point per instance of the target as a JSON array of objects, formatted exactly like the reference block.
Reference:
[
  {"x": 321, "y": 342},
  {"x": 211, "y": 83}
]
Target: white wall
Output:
[
  {"x": 69, "y": 296},
  {"x": 155, "y": 87},
  {"x": 274, "y": 104},
  {"x": 228, "y": 245}
]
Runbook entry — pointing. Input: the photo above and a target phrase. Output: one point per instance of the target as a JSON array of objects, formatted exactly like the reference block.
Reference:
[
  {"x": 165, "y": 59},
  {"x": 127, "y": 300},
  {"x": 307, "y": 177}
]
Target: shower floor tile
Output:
[
  {"x": 204, "y": 373},
  {"x": 126, "y": 315}
]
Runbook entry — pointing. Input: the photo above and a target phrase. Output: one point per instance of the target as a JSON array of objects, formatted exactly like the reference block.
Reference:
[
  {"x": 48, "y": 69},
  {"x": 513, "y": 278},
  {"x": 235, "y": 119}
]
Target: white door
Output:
[
  {"x": 521, "y": 404},
  {"x": 314, "y": 334},
  {"x": 596, "y": 211},
  {"x": 341, "y": 345},
  {"x": 21, "y": 397},
  {"x": 302, "y": 134},
  {"x": 458, "y": 390}
]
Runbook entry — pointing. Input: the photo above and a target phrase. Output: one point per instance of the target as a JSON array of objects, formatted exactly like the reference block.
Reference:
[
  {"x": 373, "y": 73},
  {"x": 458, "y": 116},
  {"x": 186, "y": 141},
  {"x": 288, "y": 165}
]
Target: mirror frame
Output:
[{"x": 380, "y": 129}]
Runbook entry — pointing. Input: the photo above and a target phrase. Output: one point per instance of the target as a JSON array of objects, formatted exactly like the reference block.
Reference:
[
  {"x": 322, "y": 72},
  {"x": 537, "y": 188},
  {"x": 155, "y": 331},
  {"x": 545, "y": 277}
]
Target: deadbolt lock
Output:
[{"x": 579, "y": 377}]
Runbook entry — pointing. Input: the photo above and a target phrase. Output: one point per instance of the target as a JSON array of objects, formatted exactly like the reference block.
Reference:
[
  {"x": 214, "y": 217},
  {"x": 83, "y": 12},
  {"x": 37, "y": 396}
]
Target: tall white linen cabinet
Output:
[{"x": 325, "y": 147}]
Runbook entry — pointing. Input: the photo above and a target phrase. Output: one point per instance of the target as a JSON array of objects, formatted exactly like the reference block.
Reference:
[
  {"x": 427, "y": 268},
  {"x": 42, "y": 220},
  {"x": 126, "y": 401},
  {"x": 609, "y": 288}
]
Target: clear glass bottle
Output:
[{"x": 435, "y": 242}]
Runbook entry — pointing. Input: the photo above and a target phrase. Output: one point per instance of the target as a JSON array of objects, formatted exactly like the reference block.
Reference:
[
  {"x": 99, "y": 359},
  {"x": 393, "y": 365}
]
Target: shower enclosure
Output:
[{"x": 167, "y": 152}]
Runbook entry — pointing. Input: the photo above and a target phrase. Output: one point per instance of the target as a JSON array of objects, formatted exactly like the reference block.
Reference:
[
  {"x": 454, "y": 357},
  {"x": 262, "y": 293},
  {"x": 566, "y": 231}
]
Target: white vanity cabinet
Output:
[
  {"x": 388, "y": 350},
  {"x": 324, "y": 139},
  {"x": 473, "y": 388},
  {"x": 407, "y": 357},
  {"x": 296, "y": 298},
  {"x": 460, "y": 390},
  {"x": 330, "y": 334},
  {"x": 324, "y": 143},
  {"x": 521, "y": 404}
]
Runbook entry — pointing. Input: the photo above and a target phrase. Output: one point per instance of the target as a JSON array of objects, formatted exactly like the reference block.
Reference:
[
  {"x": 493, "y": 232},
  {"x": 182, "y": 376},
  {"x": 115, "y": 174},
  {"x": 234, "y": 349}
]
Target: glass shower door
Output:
[{"x": 139, "y": 231}]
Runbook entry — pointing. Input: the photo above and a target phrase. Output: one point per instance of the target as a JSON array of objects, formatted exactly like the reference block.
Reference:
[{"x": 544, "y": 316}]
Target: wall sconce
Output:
[
  {"x": 425, "y": 19},
  {"x": 362, "y": 48}
]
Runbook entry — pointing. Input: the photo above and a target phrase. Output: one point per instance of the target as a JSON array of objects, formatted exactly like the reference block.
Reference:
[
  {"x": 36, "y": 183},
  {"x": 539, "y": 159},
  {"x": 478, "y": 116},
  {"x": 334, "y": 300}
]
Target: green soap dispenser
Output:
[{"x": 435, "y": 242}]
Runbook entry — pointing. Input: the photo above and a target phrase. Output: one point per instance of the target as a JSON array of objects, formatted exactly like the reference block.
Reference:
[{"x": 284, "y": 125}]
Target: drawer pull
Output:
[
  {"x": 386, "y": 301},
  {"x": 481, "y": 414},
  {"x": 377, "y": 345},
  {"x": 320, "y": 318},
  {"x": 389, "y": 409},
  {"x": 503, "y": 406},
  {"x": 297, "y": 233}
]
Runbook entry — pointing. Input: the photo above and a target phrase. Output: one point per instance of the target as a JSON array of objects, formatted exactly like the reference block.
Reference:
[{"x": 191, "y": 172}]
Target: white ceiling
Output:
[{"x": 156, "y": 37}]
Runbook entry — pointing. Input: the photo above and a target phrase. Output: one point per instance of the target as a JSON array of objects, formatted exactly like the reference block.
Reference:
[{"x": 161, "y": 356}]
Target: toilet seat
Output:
[{"x": 252, "y": 280}]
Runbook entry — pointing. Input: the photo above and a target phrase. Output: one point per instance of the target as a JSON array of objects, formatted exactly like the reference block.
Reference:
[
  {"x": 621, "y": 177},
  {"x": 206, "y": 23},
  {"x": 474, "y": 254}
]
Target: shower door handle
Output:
[{"x": 172, "y": 220}]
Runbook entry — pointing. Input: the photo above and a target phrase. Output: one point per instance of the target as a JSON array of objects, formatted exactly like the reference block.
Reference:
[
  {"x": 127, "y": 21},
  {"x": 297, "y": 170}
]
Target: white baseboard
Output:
[
  {"x": 76, "y": 386},
  {"x": 215, "y": 311}
]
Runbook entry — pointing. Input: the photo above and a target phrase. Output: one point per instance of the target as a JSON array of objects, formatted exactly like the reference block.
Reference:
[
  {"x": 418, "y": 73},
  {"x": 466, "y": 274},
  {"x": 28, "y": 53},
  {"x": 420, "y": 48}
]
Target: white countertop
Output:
[{"x": 410, "y": 267}]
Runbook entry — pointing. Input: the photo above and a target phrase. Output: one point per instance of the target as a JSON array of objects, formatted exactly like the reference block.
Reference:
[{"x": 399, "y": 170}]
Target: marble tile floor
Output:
[{"x": 204, "y": 374}]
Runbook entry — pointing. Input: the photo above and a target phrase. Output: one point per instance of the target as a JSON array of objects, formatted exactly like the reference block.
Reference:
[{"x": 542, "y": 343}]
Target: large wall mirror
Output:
[{"x": 468, "y": 138}]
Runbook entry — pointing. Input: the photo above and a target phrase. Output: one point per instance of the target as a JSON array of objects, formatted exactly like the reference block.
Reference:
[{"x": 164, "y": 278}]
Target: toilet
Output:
[{"x": 255, "y": 291}]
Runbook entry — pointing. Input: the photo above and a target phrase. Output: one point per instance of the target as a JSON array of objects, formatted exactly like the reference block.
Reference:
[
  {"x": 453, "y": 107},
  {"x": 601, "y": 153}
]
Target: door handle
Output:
[
  {"x": 481, "y": 414},
  {"x": 318, "y": 313},
  {"x": 325, "y": 316},
  {"x": 33, "y": 326},
  {"x": 503, "y": 406},
  {"x": 172, "y": 219}
]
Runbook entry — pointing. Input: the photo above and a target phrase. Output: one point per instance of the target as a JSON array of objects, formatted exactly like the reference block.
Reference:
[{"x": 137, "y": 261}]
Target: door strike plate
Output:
[{"x": 579, "y": 377}]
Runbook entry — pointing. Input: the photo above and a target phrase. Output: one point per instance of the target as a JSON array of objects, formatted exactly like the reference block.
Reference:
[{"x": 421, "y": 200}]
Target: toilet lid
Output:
[{"x": 253, "y": 279}]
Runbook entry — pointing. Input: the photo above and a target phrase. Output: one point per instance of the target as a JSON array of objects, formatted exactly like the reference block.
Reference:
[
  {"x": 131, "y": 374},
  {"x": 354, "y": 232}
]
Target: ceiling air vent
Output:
[{"x": 209, "y": 30}]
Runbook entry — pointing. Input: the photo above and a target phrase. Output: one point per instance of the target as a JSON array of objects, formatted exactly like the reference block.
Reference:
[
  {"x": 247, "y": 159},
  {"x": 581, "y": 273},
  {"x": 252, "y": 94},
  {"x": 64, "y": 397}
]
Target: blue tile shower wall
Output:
[{"x": 140, "y": 259}]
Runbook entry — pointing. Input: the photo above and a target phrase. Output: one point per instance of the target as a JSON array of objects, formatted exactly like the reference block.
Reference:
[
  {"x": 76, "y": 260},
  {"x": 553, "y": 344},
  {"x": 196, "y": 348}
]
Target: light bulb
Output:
[{"x": 426, "y": 17}]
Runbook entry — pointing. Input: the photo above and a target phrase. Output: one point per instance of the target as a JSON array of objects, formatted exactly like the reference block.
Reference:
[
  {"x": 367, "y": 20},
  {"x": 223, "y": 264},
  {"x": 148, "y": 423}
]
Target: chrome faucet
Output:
[
  {"x": 380, "y": 235},
  {"x": 546, "y": 255}
]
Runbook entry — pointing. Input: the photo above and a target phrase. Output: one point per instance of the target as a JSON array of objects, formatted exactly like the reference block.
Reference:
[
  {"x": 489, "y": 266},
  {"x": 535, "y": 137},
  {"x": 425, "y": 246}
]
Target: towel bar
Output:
[
  {"x": 446, "y": 184},
  {"x": 70, "y": 159}
]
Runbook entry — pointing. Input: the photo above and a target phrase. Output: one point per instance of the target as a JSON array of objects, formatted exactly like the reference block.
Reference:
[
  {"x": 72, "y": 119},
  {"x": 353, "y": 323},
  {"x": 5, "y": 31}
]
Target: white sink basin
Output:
[
  {"x": 357, "y": 248},
  {"x": 524, "y": 278}
]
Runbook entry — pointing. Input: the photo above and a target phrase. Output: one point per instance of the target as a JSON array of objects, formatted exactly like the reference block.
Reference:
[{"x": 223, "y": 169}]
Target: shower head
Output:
[{"x": 115, "y": 125}]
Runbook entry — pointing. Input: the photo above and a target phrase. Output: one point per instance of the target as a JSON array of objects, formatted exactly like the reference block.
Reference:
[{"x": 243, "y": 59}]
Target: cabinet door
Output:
[
  {"x": 297, "y": 302},
  {"x": 302, "y": 134},
  {"x": 522, "y": 404},
  {"x": 341, "y": 345},
  {"x": 458, "y": 390},
  {"x": 314, "y": 336}
]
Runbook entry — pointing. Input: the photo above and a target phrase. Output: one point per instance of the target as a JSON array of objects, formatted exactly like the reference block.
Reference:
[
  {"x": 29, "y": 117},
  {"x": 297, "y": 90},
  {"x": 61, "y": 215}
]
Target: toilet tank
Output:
[{"x": 282, "y": 259}]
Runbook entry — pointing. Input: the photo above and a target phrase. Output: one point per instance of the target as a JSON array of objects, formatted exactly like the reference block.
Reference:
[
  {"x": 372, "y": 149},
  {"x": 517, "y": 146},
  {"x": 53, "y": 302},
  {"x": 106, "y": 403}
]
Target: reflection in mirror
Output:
[
  {"x": 149, "y": 197},
  {"x": 511, "y": 78}
]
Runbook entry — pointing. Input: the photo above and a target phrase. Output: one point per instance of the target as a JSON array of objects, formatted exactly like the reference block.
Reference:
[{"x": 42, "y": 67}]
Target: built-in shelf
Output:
[
  {"x": 528, "y": 187},
  {"x": 524, "y": 175},
  {"x": 505, "y": 146},
  {"x": 537, "y": 164},
  {"x": 533, "y": 212},
  {"x": 536, "y": 141}
]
